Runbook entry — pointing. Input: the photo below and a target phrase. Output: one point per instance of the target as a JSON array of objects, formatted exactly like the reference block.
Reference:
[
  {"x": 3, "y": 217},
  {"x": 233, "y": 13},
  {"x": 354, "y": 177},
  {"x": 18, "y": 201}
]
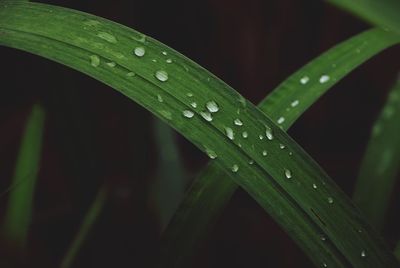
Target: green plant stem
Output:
[{"x": 85, "y": 228}]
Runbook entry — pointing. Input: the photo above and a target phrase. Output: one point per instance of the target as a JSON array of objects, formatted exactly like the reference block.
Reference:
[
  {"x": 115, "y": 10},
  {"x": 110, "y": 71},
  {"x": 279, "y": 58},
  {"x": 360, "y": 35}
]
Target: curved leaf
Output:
[
  {"x": 144, "y": 69},
  {"x": 212, "y": 190}
]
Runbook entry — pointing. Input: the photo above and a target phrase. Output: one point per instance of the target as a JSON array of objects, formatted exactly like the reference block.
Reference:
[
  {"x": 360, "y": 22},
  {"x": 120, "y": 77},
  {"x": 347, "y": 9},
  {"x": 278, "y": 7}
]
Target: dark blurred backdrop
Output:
[{"x": 92, "y": 131}]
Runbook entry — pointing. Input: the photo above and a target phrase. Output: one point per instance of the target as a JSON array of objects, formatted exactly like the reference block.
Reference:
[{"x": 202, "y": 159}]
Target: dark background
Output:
[{"x": 94, "y": 134}]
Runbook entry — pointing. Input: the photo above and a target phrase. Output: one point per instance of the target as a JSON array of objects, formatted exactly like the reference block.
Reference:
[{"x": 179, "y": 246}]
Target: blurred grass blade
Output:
[
  {"x": 170, "y": 184},
  {"x": 380, "y": 165},
  {"x": 280, "y": 180},
  {"x": 20, "y": 203},
  {"x": 86, "y": 226},
  {"x": 397, "y": 251},
  {"x": 384, "y": 13},
  {"x": 212, "y": 190}
]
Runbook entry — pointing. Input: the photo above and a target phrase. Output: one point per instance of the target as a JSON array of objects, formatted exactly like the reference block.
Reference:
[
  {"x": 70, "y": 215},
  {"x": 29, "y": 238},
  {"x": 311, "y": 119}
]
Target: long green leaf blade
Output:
[
  {"x": 90, "y": 219},
  {"x": 170, "y": 184},
  {"x": 380, "y": 165},
  {"x": 212, "y": 190},
  {"x": 282, "y": 185},
  {"x": 384, "y": 13},
  {"x": 19, "y": 210}
]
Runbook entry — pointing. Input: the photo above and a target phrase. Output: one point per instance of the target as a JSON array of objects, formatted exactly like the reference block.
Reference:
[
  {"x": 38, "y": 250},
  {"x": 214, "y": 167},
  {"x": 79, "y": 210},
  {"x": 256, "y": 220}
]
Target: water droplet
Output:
[
  {"x": 160, "y": 98},
  {"x": 245, "y": 134},
  {"x": 211, "y": 154},
  {"x": 264, "y": 153},
  {"x": 295, "y": 103},
  {"x": 193, "y": 104},
  {"x": 261, "y": 137},
  {"x": 238, "y": 122},
  {"x": 281, "y": 120},
  {"x": 330, "y": 200},
  {"x": 281, "y": 146},
  {"x": 189, "y": 94},
  {"x": 108, "y": 37},
  {"x": 131, "y": 74},
  {"x": 154, "y": 60},
  {"x": 251, "y": 162},
  {"x": 229, "y": 133},
  {"x": 324, "y": 78},
  {"x": 168, "y": 60},
  {"x": 314, "y": 186},
  {"x": 269, "y": 133},
  {"x": 166, "y": 114},
  {"x": 92, "y": 23},
  {"x": 235, "y": 168},
  {"x": 207, "y": 116},
  {"x": 323, "y": 238},
  {"x": 94, "y": 60},
  {"x": 288, "y": 173},
  {"x": 188, "y": 114},
  {"x": 242, "y": 101},
  {"x": 325, "y": 265},
  {"x": 304, "y": 80},
  {"x": 111, "y": 64},
  {"x": 363, "y": 254},
  {"x": 161, "y": 75},
  {"x": 165, "y": 53},
  {"x": 212, "y": 106},
  {"x": 139, "y": 51}
]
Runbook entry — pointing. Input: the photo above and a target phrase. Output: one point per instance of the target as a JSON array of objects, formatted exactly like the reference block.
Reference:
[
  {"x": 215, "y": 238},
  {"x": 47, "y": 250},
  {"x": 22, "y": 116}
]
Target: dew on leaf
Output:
[
  {"x": 324, "y": 78},
  {"x": 94, "y": 60},
  {"x": 269, "y": 133},
  {"x": 229, "y": 133},
  {"x": 288, "y": 173},
  {"x": 211, "y": 154},
  {"x": 161, "y": 75},
  {"x": 235, "y": 168},
  {"x": 264, "y": 153},
  {"x": 130, "y": 74},
  {"x": 139, "y": 51},
  {"x": 111, "y": 64},
  {"x": 188, "y": 113},
  {"x": 295, "y": 103},
  {"x": 245, "y": 134},
  {"x": 168, "y": 60},
  {"x": 207, "y": 116},
  {"x": 330, "y": 200},
  {"x": 193, "y": 104},
  {"x": 212, "y": 106},
  {"x": 363, "y": 254},
  {"x": 281, "y": 120},
  {"x": 304, "y": 80},
  {"x": 238, "y": 122},
  {"x": 108, "y": 37},
  {"x": 160, "y": 98}
]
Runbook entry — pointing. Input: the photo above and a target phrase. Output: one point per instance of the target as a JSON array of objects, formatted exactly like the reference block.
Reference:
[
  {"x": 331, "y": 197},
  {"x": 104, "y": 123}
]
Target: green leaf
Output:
[
  {"x": 86, "y": 226},
  {"x": 212, "y": 190},
  {"x": 280, "y": 182},
  {"x": 380, "y": 165},
  {"x": 384, "y": 13},
  {"x": 170, "y": 184},
  {"x": 19, "y": 210}
]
